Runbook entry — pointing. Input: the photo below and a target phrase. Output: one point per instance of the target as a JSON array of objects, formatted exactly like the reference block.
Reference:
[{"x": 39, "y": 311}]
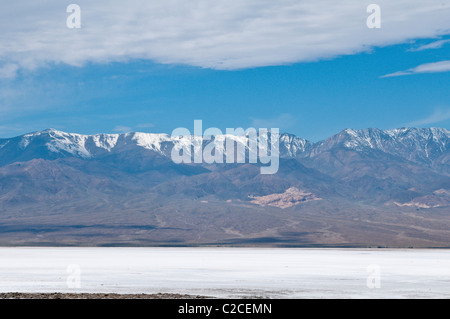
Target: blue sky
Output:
[{"x": 383, "y": 83}]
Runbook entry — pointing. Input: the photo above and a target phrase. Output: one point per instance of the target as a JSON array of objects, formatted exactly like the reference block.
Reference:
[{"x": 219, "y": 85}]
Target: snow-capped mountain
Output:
[
  {"x": 291, "y": 145},
  {"x": 85, "y": 188},
  {"x": 52, "y": 144},
  {"x": 410, "y": 143}
]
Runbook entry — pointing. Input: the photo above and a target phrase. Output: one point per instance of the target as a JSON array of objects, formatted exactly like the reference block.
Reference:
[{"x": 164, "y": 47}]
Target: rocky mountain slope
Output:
[{"x": 358, "y": 188}]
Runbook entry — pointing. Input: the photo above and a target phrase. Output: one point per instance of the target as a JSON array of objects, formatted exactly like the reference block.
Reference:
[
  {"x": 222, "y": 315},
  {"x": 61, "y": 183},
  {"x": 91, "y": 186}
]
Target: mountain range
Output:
[{"x": 358, "y": 188}]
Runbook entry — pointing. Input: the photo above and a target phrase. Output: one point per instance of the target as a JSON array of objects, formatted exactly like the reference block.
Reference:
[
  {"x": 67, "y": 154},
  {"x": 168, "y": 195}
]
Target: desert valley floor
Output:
[{"x": 229, "y": 272}]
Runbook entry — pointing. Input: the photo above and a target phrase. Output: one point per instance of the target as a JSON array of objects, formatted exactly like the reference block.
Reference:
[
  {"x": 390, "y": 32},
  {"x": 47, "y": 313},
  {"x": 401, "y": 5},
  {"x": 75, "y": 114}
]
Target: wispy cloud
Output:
[
  {"x": 433, "y": 45},
  {"x": 220, "y": 34},
  {"x": 145, "y": 125},
  {"x": 282, "y": 121},
  {"x": 8, "y": 71},
  {"x": 11, "y": 130},
  {"x": 438, "y": 116},
  {"x": 122, "y": 129},
  {"x": 435, "y": 67}
]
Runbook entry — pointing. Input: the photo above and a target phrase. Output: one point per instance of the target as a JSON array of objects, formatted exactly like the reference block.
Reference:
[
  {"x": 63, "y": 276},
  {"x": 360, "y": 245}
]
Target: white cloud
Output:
[
  {"x": 220, "y": 34},
  {"x": 8, "y": 71},
  {"x": 282, "y": 121},
  {"x": 438, "y": 116},
  {"x": 145, "y": 125},
  {"x": 435, "y": 67},
  {"x": 10, "y": 130},
  {"x": 122, "y": 129},
  {"x": 433, "y": 45}
]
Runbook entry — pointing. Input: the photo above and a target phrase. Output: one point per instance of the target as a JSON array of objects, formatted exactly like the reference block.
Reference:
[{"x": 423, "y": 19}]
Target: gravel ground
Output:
[{"x": 18, "y": 295}]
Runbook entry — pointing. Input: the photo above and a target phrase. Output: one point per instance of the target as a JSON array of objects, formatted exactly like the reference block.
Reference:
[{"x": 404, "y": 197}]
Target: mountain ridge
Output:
[
  {"x": 88, "y": 146},
  {"x": 376, "y": 188}
]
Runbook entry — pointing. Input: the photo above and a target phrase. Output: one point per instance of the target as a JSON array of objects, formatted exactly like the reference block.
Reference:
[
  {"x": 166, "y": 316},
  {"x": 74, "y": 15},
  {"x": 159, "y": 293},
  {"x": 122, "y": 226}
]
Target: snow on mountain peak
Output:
[
  {"x": 68, "y": 142},
  {"x": 151, "y": 141},
  {"x": 291, "y": 145},
  {"x": 411, "y": 143},
  {"x": 417, "y": 144},
  {"x": 105, "y": 141}
]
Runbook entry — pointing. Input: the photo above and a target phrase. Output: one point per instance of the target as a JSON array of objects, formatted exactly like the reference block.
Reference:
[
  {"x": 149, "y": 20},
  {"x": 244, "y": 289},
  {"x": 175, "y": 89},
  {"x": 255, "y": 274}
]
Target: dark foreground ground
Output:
[{"x": 18, "y": 295}]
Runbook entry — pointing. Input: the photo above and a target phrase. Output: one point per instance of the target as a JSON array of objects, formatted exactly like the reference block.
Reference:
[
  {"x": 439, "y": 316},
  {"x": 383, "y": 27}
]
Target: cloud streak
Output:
[
  {"x": 282, "y": 121},
  {"x": 433, "y": 45},
  {"x": 122, "y": 129},
  {"x": 435, "y": 67},
  {"x": 438, "y": 116},
  {"x": 221, "y": 34}
]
